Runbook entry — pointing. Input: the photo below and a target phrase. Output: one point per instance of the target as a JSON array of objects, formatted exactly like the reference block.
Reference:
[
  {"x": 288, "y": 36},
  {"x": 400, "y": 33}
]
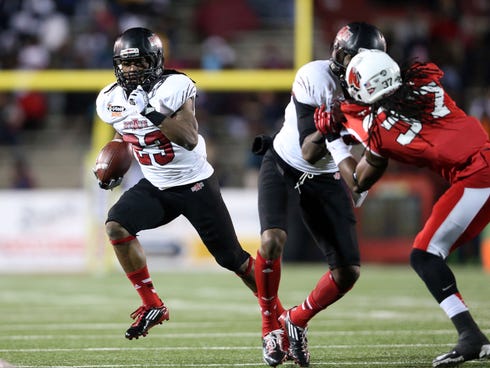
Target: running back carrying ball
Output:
[{"x": 112, "y": 163}]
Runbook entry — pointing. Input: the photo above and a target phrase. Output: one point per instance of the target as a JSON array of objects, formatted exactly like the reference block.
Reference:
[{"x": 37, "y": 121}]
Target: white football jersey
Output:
[
  {"x": 164, "y": 163},
  {"x": 314, "y": 85}
]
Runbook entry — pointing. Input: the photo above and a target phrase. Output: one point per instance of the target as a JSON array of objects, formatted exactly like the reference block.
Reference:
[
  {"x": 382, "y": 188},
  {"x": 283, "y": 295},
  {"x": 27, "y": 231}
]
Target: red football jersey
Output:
[{"x": 450, "y": 143}]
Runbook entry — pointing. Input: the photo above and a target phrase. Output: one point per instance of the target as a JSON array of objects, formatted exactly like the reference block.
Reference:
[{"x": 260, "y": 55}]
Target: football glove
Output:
[
  {"x": 329, "y": 123},
  {"x": 111, "y": 184},
  {"x": 138, "y": 99}
]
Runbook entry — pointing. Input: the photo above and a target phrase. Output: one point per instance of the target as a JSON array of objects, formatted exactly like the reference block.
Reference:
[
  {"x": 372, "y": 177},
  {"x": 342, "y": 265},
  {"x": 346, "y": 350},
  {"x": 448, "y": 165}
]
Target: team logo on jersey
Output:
[
  {"x": 135, "y": 124},
  {"x": 198, "y": 186},
  {"x": 336, "y": 176},
  {"x": 116, "y": 110}
]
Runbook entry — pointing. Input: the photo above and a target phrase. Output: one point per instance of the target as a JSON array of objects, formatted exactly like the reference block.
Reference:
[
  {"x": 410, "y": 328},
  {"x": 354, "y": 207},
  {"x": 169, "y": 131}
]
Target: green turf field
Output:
[{"x": 387, "y": 320}]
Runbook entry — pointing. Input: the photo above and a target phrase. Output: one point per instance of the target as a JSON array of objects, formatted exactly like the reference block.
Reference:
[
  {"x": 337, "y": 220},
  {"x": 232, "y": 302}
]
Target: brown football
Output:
[{"x": 113, "y": 161}]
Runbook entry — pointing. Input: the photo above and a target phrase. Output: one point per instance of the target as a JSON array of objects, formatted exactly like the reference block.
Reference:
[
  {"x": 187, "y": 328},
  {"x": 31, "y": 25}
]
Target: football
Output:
[{"x": 113, "y": 161}]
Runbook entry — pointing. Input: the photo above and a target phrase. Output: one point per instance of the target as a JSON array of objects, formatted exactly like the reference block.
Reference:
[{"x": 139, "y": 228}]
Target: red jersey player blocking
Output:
[
  {"x": 153, "y": 109},
  {"x": 407, "y": 116}
]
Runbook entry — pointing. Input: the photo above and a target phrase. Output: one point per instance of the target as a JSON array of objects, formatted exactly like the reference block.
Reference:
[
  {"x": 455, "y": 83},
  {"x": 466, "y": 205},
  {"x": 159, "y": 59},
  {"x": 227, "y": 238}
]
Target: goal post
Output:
[
  {"x": 224, "y": 80},
  {"x": 99, "y": 258}
]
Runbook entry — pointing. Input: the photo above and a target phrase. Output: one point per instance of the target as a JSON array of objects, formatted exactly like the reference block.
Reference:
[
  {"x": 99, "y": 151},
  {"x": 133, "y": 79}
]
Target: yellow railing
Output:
[{"x": 226, "y": 80}]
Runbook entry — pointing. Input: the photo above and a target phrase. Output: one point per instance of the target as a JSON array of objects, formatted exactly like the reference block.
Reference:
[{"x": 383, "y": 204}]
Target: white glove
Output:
[{"x": 138, "y": 99}]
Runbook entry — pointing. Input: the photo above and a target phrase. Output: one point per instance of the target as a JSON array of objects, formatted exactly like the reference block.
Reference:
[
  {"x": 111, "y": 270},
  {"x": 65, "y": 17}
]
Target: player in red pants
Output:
[{"x": 407, "y": 116}]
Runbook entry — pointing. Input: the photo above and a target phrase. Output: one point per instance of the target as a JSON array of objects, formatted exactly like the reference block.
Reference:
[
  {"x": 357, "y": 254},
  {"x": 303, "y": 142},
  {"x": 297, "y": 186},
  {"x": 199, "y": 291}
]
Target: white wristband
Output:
[{"x": 339, "y": 150}]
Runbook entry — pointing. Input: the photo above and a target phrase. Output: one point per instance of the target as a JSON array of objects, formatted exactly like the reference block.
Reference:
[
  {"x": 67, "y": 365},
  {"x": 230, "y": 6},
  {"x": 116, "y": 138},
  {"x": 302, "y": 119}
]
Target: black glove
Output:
[
  {"x": 261, "y": 144},
  {"x": 111, "y": 184}
]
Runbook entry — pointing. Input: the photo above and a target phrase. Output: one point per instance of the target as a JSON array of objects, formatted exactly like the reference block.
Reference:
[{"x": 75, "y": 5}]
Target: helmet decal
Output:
[
  {"x": 370, "y": 88},
  {"x": 350, "y": 39},
  {"x": 131, "y": 52},
  {"x": 353, "y": 78},
  {"x": 345, "y": 33},
  {"x": 155, "y": 41}
]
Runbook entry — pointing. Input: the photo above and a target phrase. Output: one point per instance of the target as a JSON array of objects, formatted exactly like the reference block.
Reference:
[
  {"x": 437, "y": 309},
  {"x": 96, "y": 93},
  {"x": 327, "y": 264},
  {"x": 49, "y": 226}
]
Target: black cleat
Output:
[
  {"x": 461, "y": 354},
  {"x": 298, "y": 343},
  {"x": 272, "y": 350},
  {"x": 146, "y": 318}
]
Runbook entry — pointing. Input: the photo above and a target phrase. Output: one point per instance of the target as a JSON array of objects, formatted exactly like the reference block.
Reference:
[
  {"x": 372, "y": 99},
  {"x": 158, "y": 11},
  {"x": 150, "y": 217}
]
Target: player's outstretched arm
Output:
[{"x": 360, "y": 176}]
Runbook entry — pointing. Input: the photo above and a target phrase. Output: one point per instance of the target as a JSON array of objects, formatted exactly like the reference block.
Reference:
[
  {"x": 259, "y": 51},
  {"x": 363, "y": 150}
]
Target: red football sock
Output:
[
  {"x": 279, "y": 308},
  {"x": 267, "y": 277},
  {"x": 141, "y": 281},
  {"x": 326, "y": 292}
]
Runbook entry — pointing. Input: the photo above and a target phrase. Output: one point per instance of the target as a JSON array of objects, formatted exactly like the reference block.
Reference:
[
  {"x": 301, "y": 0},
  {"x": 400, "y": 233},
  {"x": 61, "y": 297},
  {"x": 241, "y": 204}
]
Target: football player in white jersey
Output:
[
  {"x": 298, "y": 163},
  {"x": 153, "y": 109}
]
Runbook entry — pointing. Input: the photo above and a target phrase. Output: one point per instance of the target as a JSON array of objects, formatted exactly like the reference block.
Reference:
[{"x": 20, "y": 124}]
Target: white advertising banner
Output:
[
  {"x": 43, "y": 230},
  {"x": 63, "y": 231}
]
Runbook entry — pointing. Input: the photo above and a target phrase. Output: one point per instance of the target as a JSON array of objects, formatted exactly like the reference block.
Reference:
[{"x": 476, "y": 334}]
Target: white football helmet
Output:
[{"x": 372, "y": 75}]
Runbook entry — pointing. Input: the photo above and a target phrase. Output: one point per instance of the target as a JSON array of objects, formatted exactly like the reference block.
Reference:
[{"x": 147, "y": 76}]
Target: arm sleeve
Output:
[
  {"x": 312, "y": 87},
  {"x": 304, "y": 114}
]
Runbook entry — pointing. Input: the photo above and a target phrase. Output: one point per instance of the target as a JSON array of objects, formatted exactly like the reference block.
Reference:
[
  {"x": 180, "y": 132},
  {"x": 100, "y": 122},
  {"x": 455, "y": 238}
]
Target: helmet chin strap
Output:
[
  {"x": 337, "y": 69},
  {"x": 146, "y": 79}
]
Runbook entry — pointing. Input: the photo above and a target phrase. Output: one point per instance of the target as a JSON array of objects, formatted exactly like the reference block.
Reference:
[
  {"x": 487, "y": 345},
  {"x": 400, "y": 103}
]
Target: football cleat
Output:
[
  {"x": 460, "y": 355},
  {"x": 298, "y": 343},
  {"x": 145, "y": 318},
  {"x": 272, "y": 350},
  {"x": 285, "y": 341}
]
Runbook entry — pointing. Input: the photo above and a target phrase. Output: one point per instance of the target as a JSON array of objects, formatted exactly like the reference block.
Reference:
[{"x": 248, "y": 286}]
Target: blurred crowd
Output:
[{"x": 210, "y": 34}]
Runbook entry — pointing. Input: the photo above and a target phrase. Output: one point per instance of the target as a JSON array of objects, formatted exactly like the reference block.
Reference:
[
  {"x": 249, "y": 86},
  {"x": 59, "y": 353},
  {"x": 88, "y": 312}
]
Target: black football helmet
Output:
[
  {"x": 133, "y": 44},
  {"x": 351, "y": 38}
]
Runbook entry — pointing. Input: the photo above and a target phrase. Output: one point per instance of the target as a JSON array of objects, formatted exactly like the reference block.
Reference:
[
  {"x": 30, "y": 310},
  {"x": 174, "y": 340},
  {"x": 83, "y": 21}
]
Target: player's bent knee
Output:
[
  {"x": 117, "y": 234},
  {"x": 422, "y": 261},
  {"x": 231, "y": 260},
  {"x": 272, "y": 243},
  {"x": 246, "y": 268},
  {"x": 114, "y": 230},
  {"x": 346, "y": 277}
]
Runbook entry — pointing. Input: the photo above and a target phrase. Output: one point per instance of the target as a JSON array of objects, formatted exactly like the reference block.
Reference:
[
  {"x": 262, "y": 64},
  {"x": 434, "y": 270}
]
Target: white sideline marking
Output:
[
  {"x": 197, "y": 335},
  {"x": 320, "y": 364},
  {"x": 183, "y": 348}
]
